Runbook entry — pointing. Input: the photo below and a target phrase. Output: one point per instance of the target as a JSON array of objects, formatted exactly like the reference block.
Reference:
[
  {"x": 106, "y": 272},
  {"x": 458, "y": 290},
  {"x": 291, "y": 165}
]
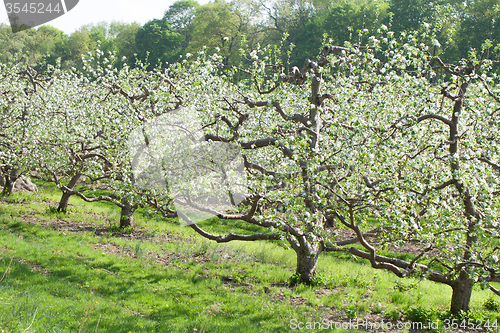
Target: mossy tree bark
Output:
[{"x": 63, "y": 203}]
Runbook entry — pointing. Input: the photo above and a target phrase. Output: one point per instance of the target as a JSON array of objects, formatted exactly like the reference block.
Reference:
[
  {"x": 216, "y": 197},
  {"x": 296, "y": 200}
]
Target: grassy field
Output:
[{"x": 75, "y": 273}]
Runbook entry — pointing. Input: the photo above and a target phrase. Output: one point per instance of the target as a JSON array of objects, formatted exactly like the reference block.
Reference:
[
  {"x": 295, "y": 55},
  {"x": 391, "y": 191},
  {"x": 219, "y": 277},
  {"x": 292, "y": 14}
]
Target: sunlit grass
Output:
[
  {"x": 165, "y": 278},
  {"x": 139, "y": 294}
]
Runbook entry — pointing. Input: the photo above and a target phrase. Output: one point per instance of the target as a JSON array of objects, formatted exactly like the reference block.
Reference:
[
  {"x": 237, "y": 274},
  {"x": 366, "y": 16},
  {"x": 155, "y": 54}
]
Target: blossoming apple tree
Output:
[
  {"x": 428, "y": 173},
  {"x": 388, "y": 144},
  {"x": 18, "y": 86},
  {"x": 106, "y": 111}
]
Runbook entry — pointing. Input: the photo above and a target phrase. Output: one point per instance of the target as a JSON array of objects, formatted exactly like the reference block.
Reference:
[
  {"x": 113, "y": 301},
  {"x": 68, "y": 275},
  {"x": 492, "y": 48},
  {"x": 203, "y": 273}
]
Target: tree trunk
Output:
[
  {"x": 8, "y": 185},
  {"x": 306, "y": 265},
  {"x": 63, "y": 203},
  {"x": 127, "y": 214},
  {"x": 462, "y": 291},
  {"x": 10, "y": 179}
]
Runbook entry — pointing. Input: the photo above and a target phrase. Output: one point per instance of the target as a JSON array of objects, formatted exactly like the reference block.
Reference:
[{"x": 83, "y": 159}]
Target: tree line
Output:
[{"x": 454, "y": 28}]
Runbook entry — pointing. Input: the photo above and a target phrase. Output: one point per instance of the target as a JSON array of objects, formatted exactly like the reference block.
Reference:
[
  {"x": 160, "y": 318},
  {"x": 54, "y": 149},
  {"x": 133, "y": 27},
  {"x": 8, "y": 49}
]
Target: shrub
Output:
[{"x": 492, "y": 304}]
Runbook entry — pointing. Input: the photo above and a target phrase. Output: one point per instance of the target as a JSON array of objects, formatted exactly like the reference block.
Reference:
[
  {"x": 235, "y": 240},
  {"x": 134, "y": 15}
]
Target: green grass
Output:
[
  {"x": 61, "y": 281},
  {"x": 73, "y": 273}
]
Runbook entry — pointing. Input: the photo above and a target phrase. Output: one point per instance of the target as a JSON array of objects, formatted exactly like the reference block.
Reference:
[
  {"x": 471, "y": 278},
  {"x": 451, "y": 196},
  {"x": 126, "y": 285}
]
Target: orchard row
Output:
[{"x": 367, "y": 146}]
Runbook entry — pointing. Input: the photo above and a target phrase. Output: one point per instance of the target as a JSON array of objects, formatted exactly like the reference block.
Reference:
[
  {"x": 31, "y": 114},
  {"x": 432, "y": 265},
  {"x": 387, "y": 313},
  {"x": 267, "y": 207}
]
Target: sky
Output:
[{"x": 95, "y": 11}]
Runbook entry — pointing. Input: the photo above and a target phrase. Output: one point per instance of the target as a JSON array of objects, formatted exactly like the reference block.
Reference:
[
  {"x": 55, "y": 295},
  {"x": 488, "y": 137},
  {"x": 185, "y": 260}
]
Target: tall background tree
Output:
[
  {"x": 480, "y": 20},
  {"x": 180, "y": 16},
  {"x": 217, "y": 26},
  {"x": 158, "y": 43}
]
